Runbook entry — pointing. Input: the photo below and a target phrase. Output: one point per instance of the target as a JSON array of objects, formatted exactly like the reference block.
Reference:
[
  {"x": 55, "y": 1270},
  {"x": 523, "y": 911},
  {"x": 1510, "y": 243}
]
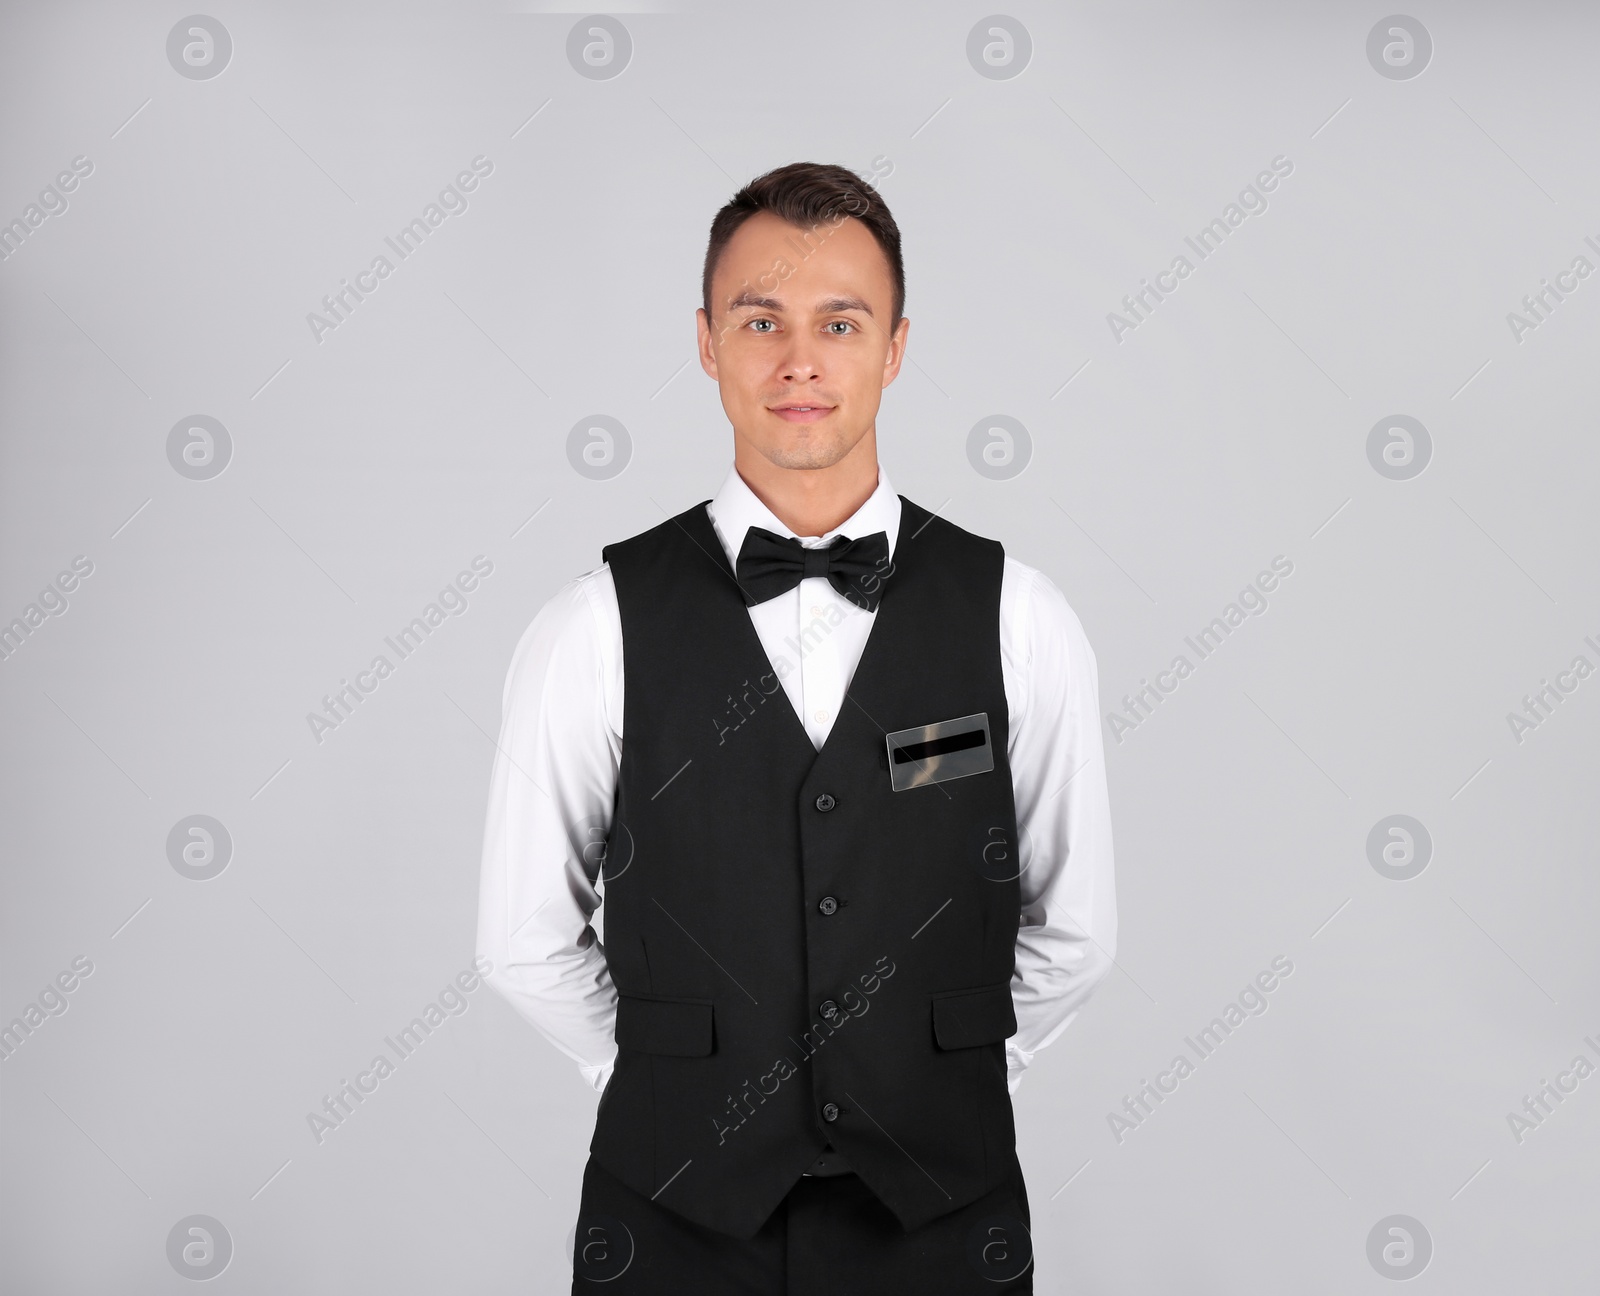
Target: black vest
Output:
[{"x": 803, "y": 954}]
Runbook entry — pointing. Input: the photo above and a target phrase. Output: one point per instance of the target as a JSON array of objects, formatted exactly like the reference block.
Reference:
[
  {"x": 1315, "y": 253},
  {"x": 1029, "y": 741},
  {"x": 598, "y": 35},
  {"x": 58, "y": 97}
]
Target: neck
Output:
[{"x": 812, "y": 501}]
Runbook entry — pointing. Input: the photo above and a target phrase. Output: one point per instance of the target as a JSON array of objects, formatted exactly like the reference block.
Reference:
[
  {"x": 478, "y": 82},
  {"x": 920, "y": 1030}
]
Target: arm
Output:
[
  {"x": 1068, "y": 934},
  {"x": 550, "y": 803}
]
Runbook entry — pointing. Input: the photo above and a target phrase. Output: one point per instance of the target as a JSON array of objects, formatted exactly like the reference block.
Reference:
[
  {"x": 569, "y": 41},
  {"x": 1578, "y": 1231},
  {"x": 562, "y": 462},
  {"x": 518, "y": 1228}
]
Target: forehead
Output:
[{"x": 794, "y": 263}]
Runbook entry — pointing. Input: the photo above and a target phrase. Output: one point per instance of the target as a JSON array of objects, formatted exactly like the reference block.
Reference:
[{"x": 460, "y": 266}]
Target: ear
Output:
[
  {"x": 702, "y": 327},
  {"x": 897, "y": 350}
]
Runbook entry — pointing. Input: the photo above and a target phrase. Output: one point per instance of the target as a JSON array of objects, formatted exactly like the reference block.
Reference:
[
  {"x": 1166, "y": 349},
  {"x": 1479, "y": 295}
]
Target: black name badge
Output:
[{"x": 939, "y": 752}]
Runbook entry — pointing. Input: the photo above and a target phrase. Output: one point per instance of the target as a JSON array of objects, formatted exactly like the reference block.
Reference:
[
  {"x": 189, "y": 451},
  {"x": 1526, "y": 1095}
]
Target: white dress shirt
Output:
[{"x": 540, "y": 916}]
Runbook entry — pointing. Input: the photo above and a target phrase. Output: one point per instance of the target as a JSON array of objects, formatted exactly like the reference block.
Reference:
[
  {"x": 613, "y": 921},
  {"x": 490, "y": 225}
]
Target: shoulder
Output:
[
  {"x": 569, "y": 634},
  {"x": 959, "y": 561},
  {"x": 1039, "y": 618},
  {"x": 918, "y": 524},
  {"x": 653, "y": 542},
  {"x": 1046, "y": 653}
]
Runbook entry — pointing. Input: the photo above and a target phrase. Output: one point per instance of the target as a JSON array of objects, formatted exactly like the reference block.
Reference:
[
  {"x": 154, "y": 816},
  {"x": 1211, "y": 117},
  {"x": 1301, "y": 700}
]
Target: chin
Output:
[{"x": 807, "y": 453}]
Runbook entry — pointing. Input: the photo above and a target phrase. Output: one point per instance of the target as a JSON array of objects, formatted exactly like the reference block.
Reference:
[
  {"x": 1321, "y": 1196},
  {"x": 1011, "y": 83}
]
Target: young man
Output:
[{"x": 834, "y": 765}]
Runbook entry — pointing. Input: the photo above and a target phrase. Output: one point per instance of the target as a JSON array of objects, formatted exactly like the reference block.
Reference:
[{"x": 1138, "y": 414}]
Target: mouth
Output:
[{"x": 802, "y": 411}]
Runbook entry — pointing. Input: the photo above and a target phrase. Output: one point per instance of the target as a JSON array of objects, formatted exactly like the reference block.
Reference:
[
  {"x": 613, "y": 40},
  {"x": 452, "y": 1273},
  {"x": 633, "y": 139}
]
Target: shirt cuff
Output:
[
  {"x": 1017, "y": 1061},
  {"x": 597, "y": 1076}
]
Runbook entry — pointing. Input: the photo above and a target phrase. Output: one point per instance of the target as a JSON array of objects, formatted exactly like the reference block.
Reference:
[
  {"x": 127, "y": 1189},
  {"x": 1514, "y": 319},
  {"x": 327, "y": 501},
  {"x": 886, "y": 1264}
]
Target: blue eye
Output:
[
  {"x": 846, "y": 323},
  {"x": 753, "y": 323}
]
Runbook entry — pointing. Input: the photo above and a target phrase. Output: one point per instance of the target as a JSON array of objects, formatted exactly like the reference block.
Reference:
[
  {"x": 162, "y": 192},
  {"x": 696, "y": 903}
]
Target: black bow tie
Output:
[{"x": 770, "y": 564}]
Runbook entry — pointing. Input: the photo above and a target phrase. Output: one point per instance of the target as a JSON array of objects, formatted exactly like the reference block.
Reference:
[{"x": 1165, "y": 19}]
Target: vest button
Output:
[
  {"x": 828, "y": 1009},
  {"x": 828, "y": 905},
  {"x": 826, "y": 802},
  {"x": 830, "y": 1111}
]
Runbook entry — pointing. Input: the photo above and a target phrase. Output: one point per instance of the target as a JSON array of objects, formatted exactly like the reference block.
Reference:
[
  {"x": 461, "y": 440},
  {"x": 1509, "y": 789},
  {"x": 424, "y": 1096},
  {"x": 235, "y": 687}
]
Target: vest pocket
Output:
[
  {"x": 965, "y": 1018},
  {"x": 674, "y": 1027}
]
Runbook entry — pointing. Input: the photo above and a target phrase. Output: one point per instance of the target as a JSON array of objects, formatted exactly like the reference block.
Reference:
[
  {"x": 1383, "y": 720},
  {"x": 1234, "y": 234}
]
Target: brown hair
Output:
[{"x": 806, "y": 194}]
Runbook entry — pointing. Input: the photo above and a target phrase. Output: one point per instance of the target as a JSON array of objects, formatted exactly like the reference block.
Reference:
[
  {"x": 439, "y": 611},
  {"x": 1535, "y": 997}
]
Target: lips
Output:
[{"x": 801, "y": 411}]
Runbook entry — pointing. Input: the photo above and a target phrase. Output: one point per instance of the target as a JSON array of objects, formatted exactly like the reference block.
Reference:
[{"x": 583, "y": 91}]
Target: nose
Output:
[{"x": 800, "y": 361}]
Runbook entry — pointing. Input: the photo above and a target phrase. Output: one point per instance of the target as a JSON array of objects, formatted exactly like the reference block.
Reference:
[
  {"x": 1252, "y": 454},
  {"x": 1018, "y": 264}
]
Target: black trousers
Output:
[{"x": 828, "y": 1237}]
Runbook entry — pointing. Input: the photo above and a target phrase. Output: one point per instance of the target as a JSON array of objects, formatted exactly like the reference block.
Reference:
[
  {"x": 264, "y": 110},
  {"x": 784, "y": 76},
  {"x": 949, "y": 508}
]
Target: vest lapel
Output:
[{"x": 735, "y": 616}]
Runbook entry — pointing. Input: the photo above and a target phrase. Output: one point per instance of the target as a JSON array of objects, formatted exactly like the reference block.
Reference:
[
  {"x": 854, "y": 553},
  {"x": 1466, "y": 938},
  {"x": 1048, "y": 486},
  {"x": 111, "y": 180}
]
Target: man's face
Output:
[{"x": 801, "y": 318}]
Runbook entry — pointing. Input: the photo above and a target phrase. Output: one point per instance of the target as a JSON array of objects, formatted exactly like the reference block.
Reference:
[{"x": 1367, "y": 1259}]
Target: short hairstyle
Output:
[{"x": 806, "y": 194}]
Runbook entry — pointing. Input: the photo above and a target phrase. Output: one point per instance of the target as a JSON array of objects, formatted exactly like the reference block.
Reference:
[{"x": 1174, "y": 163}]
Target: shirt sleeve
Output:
[
  {"x": 1067, "y": 937},
  {"x": 550, "y": 801}
]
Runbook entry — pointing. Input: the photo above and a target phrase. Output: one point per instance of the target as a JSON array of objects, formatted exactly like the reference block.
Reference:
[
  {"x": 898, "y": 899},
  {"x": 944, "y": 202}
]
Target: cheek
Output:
[
  {"x": 735, "y": 373},
  {"x": 864, "y": 381},
  {"x": 750, "y": 386}
]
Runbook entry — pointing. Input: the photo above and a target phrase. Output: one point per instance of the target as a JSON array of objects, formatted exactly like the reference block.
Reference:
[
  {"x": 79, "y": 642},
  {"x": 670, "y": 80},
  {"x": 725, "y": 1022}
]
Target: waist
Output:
[{"x": 828, "y": 1164}]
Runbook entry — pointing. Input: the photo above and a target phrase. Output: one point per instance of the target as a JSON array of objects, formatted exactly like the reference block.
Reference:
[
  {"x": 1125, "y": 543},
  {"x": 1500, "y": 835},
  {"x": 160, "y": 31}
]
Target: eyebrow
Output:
[{"x": 827, "y": 306}]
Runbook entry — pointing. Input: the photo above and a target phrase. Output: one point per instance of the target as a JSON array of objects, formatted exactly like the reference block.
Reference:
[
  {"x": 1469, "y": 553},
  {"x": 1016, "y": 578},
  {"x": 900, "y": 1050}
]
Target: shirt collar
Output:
[{"x": 736, "y": 508}]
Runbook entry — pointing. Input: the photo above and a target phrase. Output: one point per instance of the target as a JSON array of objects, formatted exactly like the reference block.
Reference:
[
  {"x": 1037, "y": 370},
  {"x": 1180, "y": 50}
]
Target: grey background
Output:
[{"x": 1167, "y": 469}]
